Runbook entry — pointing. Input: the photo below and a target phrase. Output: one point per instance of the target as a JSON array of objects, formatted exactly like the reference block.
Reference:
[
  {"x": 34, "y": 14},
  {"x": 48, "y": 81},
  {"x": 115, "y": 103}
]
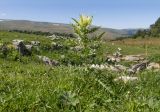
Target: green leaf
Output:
[
  {"x": 92, "y": 30},
  {"x": 100, "y": 36},
  {"x": 105, "y": 87},
  {"x": 76, "y": 21}
]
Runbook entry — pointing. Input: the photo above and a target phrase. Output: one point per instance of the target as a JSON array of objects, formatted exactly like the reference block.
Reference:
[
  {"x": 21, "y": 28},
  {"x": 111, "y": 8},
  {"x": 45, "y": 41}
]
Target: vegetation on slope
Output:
[
  {"x": 33, "y": 26},
  {"x": 154, "y": 31}
]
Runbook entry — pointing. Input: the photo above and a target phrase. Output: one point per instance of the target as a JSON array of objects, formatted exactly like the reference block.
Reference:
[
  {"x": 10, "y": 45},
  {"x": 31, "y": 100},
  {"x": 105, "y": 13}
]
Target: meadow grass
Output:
[{"x": 31, "y": 86}]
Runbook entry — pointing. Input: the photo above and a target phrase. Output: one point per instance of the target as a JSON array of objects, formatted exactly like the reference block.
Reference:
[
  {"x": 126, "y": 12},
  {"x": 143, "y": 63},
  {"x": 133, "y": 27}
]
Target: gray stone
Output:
[
  {"x": 153, "y": 66},
  {"x": 133, "y": 58},
  {"x": 23, "y": 50},
  {"x": 35, "y": 43},
  {"x": 138, "y": 67},
  {"x": 29, "y": 47},
  {"x": 56, "y": 46},
  {"x": 121, "y": 67},
  {"x": 16, "y": 43},
  {"x": 114, "y": 69},
  {"x": 48, "y": 61}
]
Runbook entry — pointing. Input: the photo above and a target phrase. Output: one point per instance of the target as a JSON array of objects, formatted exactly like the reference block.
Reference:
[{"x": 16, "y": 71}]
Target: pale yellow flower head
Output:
[{"x": 85, "y": 21}]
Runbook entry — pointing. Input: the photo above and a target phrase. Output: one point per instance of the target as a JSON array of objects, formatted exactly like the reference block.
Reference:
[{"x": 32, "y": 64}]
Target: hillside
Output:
[
  {"x": 58, "y": 27},
  {"x": 152, "y": 32}
]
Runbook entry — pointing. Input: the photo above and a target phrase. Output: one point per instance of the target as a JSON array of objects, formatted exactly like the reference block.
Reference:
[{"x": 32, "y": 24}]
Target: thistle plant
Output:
[
  {"x": 82, "y": 27},
  {"x": 87, "y": 38}
]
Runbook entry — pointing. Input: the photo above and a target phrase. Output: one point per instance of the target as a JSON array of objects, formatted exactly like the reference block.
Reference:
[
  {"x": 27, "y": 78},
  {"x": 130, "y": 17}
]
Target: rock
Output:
[
  {"x": 126, "y": 79},
  {"x": 54, "y": 63},
  {"x": 100, "y": 67},
  {"x": 138, "y": 67},
  {"x": 52, "y": 36},
  {"x": 16, "y": 43},
  {"x": 121, "y": 67},
  {"x": 113, "y": 59},
  {"x": 56, "y": 46},
  {"x": 131, "y": 71},
  {"x": 29, "y": 47},
  {"x": 23, "y": 50},
  {"x": 153, "y": 66},
  {"x": 48, "y": 61},
  {"x": 113, "y": 68},
  {"x": 133, "y": 58},
  {"x": 35, "y": 43}
]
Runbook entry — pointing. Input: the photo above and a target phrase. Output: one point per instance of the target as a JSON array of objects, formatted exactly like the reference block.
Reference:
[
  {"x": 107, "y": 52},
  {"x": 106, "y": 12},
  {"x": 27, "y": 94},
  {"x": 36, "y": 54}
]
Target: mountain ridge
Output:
[{"x": 9, "y": 24}]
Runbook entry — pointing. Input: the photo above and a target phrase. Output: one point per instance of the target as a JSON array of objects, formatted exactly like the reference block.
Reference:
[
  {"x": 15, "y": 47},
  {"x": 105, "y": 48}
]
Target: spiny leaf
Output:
[
  {"x": 100, "y": 36},
  {"x": 92, "y": 30},
  {"x": 76, "y": 21},
  {"x": 105, "y": 87}
]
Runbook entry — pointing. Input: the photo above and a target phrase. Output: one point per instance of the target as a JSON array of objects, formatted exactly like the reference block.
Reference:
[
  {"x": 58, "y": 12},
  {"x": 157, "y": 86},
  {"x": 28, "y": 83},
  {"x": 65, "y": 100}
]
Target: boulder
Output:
[
  {"x": 29, "y": 47},
  {"x": 16, "y": 43},
  {"x": 35, "y": 43},
  {"x": 114, "y": 69},
  {"x": 52, "y": 36},
  {"x": 48, "y": 61},
  {"x": 121, "y": 67},
  {"x": 153, "y": 66},
  {"x": 23, "y": 49},
  {"x": 138, "y": 67},
  {"x": 133, "y": 58},
  {"x": 56, "y": 46}
]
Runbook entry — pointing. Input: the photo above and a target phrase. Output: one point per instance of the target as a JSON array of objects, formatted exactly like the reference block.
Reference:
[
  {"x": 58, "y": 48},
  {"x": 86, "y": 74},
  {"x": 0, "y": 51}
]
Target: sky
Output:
[{"x": 119, "y": 14}]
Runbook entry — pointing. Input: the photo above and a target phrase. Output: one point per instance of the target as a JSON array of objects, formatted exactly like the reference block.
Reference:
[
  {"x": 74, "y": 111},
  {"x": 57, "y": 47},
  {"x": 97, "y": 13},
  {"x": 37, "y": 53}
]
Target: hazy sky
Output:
[{"x": 107, "y": 13}]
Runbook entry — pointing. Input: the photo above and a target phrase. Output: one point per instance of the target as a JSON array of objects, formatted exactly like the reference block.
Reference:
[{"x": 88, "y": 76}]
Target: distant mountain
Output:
[
  {"x": 152, "y": 32},
  {"x": 57, "y": 27}
]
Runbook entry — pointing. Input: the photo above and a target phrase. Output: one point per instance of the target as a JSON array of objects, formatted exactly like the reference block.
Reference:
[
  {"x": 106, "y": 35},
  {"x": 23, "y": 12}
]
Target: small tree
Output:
[{"x": 83, "y": 29}]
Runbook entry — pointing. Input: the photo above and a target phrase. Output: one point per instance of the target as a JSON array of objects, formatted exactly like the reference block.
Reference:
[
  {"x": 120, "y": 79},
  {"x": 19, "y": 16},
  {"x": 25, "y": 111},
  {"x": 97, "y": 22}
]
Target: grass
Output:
[
  {"x": 137, "y": 46},
  {"x": 31, "y": 86}
]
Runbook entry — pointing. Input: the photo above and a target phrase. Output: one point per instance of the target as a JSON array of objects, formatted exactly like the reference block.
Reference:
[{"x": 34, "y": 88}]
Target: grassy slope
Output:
[
  {"x": 52, "y": 27},
  {"x": 149, "y": 47},
  {"x": 32, "y": 86}
]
